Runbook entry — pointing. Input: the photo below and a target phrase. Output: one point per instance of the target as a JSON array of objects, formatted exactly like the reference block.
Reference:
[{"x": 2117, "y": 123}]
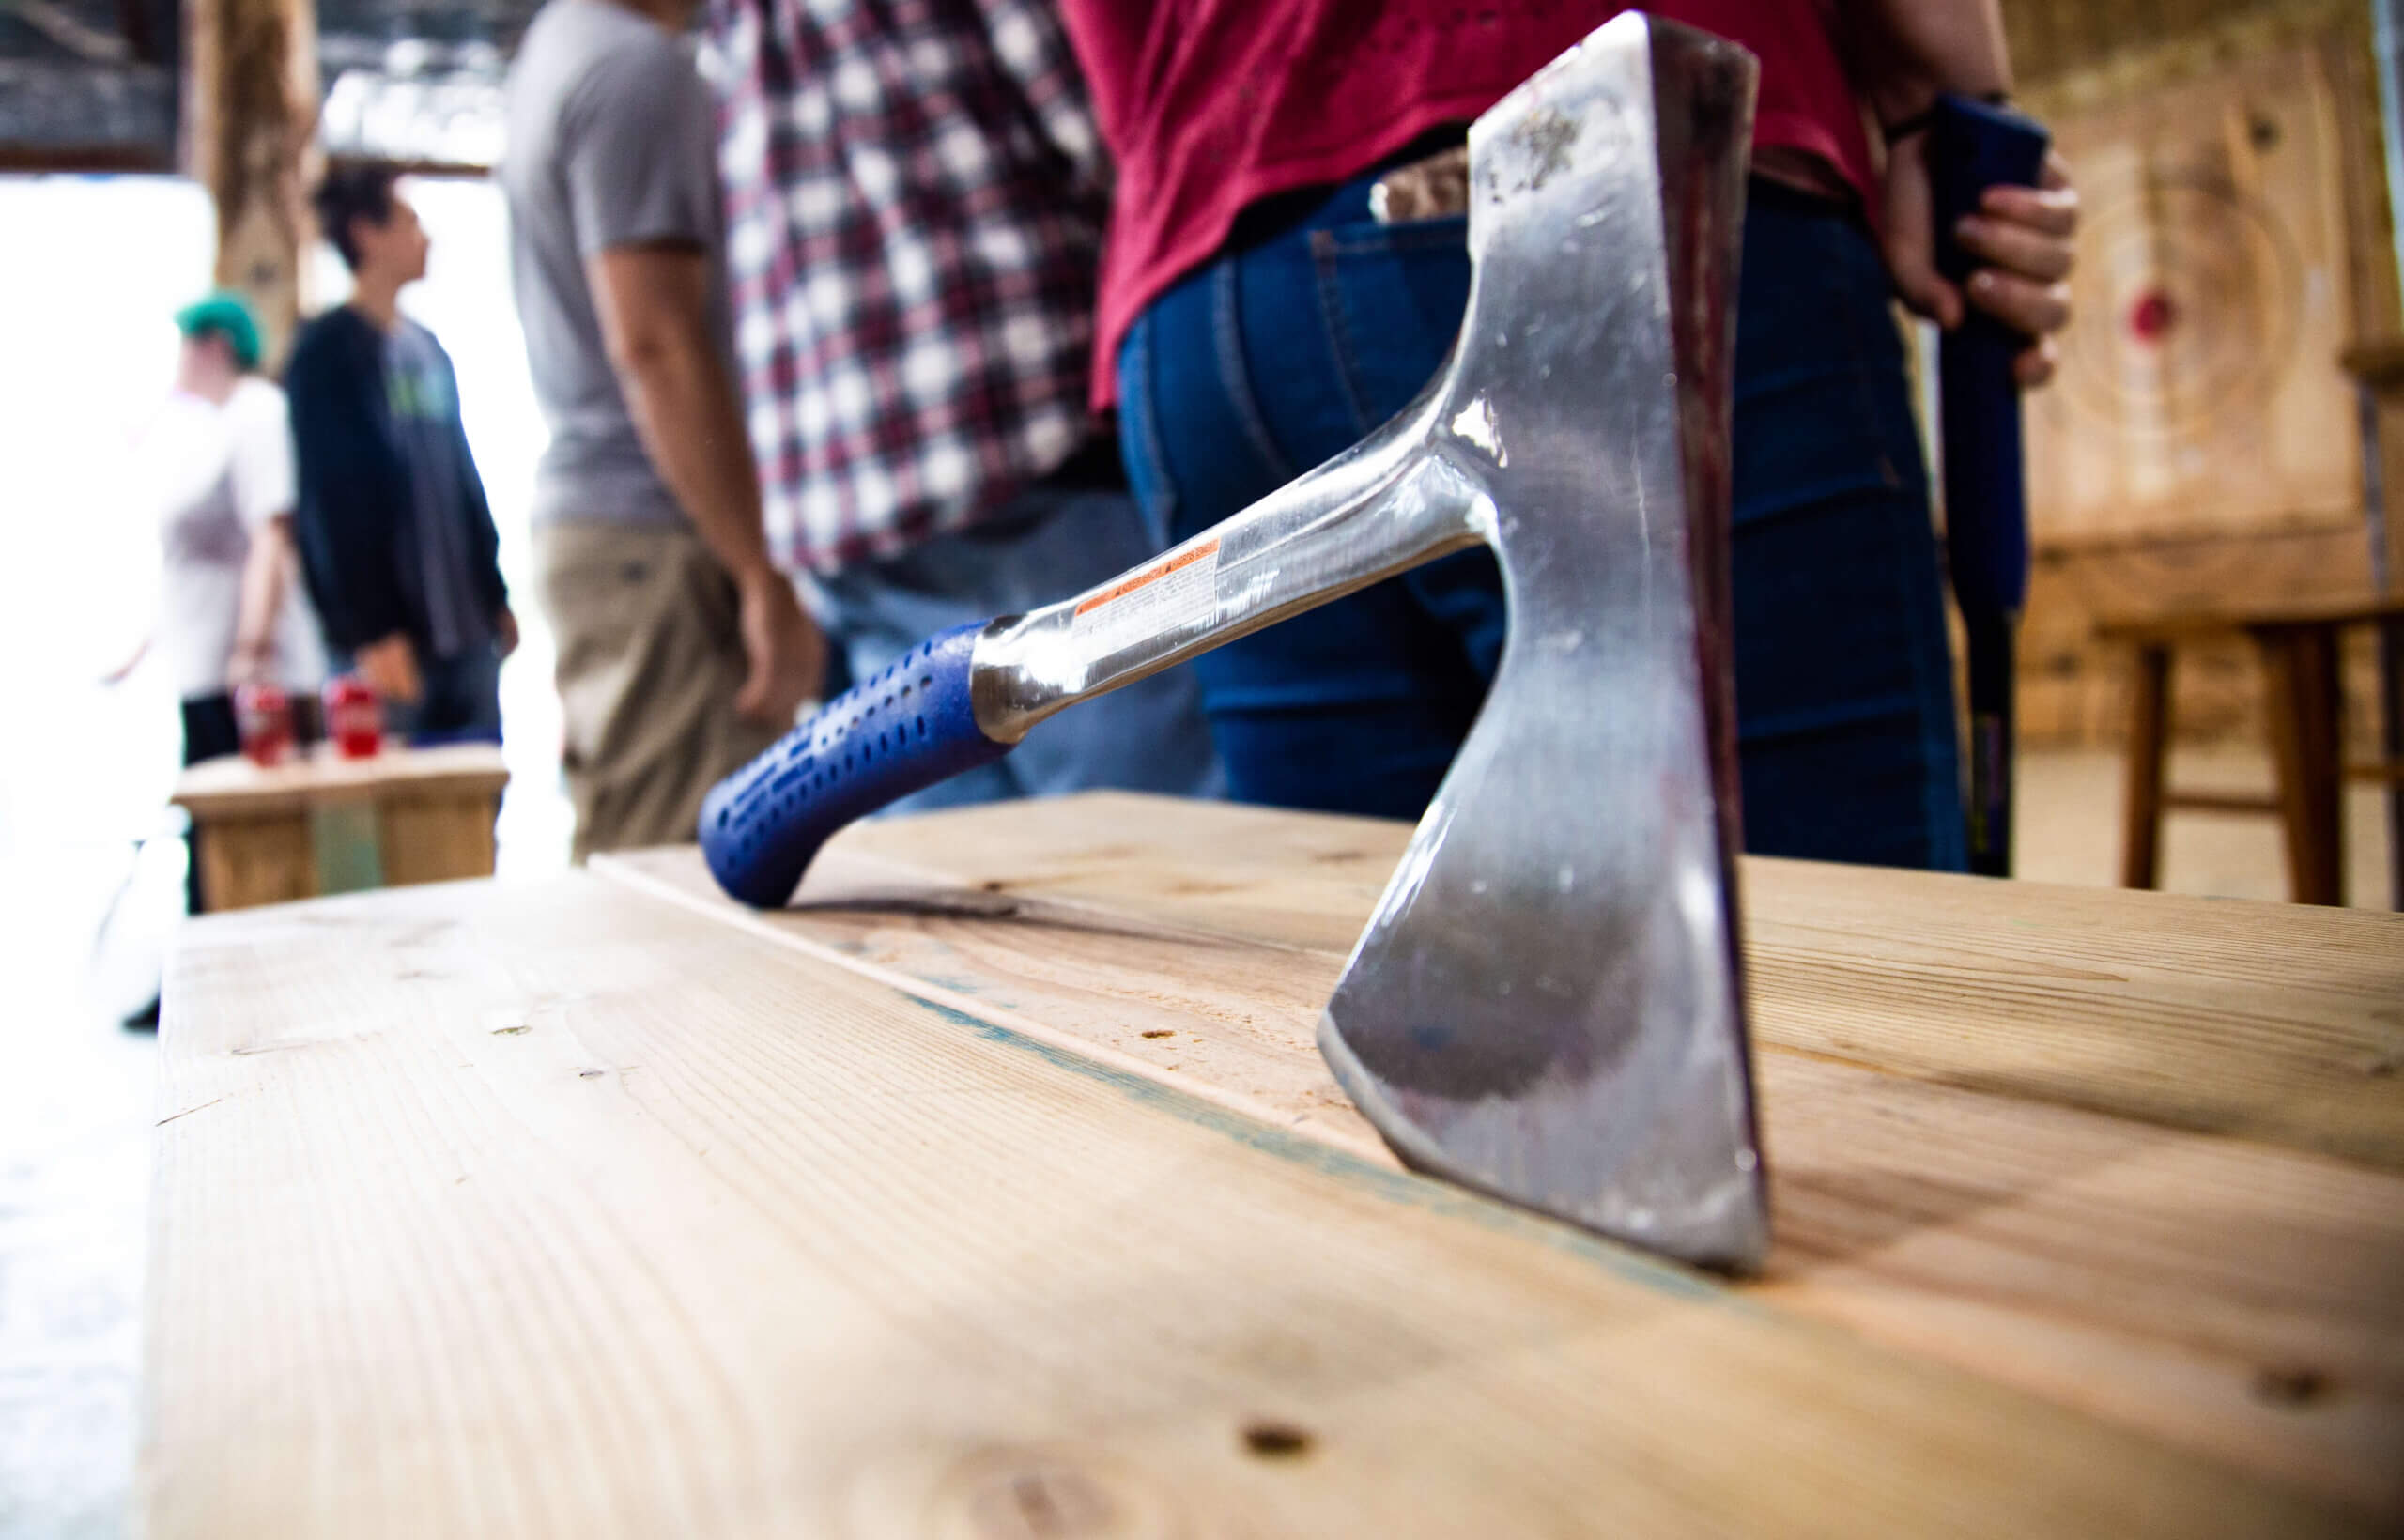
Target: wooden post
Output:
[
  {"x": 2300, "y": 669},
  {"x": 251, "y": 114},
  {"x": 2149, "y": 742},
  {"x": 2378, "y": 368}
]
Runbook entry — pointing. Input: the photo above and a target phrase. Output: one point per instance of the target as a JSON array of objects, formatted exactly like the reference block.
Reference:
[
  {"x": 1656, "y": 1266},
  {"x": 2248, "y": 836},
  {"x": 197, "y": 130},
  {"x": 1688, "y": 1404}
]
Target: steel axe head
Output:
[{"x": 1548, "y": 1002}]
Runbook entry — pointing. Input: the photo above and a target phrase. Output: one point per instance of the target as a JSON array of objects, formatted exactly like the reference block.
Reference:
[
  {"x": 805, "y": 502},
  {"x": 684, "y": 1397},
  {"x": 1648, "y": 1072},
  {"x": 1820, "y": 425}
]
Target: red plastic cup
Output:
[
  {"x": 263, "y": 718},
  {"x": 354, "y": 718}
]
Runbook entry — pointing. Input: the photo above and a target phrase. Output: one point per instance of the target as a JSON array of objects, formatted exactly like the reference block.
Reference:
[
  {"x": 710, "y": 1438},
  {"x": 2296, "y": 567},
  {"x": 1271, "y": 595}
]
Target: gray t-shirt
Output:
[{"x": 611, "y": 143}]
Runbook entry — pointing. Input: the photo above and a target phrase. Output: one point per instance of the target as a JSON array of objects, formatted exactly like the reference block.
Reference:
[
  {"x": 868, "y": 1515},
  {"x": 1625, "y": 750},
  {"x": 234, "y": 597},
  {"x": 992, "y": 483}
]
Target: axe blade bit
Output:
[{"x": 1548, "y": 1002}]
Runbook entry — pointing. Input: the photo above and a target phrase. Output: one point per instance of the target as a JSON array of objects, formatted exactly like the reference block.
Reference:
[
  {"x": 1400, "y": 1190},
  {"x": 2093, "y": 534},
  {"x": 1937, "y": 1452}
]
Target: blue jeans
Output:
[
  {"x": 1274, "y": 358},
  {"x": 1046, "y": 544}
]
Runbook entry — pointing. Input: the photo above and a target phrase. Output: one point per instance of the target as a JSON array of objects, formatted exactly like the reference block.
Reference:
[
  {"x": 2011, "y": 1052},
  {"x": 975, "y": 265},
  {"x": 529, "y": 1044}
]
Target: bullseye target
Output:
[{"x": 2188, "y": 299}]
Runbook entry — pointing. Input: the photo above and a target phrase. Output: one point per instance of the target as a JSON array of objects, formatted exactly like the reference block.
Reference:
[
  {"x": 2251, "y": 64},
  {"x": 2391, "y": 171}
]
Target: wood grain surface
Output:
[
  {"x": 250, "y": 861},
  {"x": 556, "y": 1210},
  {"x": 324, "y": 823},
  {"x": 233, "y": 786},
  {"x": 2214, "y": 289},
  {"x": 1983, "y": 1103},
  {"x": 2280, "y": 1024},
  {"x": 437, "y": 836}
]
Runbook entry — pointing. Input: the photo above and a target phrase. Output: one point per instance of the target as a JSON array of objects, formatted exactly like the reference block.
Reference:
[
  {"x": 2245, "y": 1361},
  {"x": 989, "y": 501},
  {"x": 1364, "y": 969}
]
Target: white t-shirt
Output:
[{"x": 215, "y": 476}]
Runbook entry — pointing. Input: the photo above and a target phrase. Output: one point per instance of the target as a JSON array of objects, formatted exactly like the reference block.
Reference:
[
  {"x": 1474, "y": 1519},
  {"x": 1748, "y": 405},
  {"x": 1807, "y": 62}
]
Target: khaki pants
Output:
[{"x": 649, "y": 661}]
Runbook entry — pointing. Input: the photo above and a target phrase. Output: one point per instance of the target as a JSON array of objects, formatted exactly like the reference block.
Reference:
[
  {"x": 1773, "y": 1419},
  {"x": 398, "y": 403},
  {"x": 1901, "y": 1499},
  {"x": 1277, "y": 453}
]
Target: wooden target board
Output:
[{"x": 2200, "y": 390}]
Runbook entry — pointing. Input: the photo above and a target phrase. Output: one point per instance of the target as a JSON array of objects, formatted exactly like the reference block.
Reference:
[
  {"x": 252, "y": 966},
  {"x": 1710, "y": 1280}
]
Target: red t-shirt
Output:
[{"x": 1210, "y": 105}]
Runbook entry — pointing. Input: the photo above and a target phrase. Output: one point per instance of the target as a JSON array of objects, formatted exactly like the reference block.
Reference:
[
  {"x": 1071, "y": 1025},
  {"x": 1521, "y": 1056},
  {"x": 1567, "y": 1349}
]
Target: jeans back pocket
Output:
[{"x": 1392, "y": 297}]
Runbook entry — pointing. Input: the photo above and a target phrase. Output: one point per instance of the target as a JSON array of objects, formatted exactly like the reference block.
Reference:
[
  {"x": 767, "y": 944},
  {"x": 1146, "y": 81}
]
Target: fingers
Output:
[
  {"x": 2014, "y": 247},
  {"x": 2027, "y": 306},
  {"x": 2036, "y": 365},
  {"x": 2024, "y": 235},
  {"x": 1911, "y": 261},
  {"x": 2049, "y": 211},
  {"x": 1927, "y": 294},
  {"x": 405, "y": 674},
  {"x": 774, "y": 686},
  {"x": 1907, "y": 241},
  {"x": 751, "y": 700}
]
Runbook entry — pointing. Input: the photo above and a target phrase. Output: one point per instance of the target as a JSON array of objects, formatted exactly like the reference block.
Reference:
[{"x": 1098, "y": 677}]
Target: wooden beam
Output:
[
  {"x": 250, "y": 112},
  {"x": 81, "y": 160},
  {"x": 2220, "y": 802}
]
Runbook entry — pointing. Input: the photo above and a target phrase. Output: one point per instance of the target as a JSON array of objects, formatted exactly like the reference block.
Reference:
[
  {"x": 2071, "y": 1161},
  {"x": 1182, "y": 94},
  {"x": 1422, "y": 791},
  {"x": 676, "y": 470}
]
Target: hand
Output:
[
  {"x": 786, "y": 650},
  {"x": 124, "y": 670},
  {"x": 390, "y": 667},
  {"x": 505, "y": 632},
  {"x": 2022, "y": 233},
  {"x": 248, "y": 663}
]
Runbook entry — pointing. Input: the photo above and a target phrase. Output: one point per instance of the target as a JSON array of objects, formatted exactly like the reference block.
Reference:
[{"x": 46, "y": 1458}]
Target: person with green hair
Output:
[{"x": 213, "y": 468}]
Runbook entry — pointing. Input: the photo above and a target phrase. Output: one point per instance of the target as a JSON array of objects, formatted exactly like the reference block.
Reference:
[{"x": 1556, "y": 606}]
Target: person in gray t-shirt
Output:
[{"x": 681, "y": 650}]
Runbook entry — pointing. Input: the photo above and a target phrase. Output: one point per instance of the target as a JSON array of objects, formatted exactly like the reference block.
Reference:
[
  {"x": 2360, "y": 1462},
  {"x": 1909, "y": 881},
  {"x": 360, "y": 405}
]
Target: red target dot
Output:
[{"x": 2151, "y": 317}]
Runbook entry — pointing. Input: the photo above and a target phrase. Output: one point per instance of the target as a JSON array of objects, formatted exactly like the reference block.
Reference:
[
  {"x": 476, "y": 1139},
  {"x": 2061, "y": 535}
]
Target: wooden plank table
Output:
[
  {"x": 321, "y": 823},
  {"x": 995, "y": 1188}
]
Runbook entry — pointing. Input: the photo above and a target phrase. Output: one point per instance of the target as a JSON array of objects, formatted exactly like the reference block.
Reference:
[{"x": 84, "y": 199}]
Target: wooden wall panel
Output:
[
  {"x": 2202, "y": 443},
  {"x": 2200, "y": 388},
  {"x": 2082, "y": 42}
]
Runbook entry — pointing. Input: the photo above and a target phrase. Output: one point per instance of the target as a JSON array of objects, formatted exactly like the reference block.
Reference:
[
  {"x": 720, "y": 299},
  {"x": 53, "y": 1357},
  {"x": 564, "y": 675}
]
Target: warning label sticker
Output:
[{"x": 1163, "y": 599}]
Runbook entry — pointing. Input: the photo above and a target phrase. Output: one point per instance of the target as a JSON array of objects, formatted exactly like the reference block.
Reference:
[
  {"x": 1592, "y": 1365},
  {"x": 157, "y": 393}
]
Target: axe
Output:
[
  {"x": 1547, "y": 1005},
  {"x": 1973, "y": 146}
]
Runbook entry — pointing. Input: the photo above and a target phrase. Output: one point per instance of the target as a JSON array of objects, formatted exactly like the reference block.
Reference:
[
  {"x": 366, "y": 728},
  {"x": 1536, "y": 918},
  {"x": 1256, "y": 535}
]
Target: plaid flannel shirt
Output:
[{"x": 915, "y": 196}]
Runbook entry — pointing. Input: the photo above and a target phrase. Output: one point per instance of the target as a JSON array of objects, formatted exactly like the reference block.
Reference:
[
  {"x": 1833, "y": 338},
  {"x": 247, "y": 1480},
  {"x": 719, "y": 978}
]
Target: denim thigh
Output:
[
  {"x": 1272, "y": 359},
  {"x": 1253, "y": 370},
  {"x": 1844, "y": 685},
  {"x": 1046, "y": 544}
]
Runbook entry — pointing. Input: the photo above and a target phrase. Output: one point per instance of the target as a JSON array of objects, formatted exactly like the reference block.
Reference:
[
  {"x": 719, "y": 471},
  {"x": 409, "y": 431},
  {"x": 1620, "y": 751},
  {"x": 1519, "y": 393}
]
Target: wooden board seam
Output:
[
  {"x": 1237, "y": 1116},
  {"x": 984, "y": 1013},
  {"x": 634, "y": 875}
]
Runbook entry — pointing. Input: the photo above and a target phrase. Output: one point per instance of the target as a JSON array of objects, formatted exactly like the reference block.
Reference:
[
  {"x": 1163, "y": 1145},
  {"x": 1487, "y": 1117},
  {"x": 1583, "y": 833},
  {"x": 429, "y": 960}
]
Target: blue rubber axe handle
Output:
[
  {"x": 897, "y": 733},
  {"x": 1972, "y": 148}
]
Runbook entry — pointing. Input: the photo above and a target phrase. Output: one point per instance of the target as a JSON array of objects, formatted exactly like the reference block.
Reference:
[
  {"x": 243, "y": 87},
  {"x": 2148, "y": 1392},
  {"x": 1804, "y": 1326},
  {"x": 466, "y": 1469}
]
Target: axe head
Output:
[{"x": 1549, "y": 1003}]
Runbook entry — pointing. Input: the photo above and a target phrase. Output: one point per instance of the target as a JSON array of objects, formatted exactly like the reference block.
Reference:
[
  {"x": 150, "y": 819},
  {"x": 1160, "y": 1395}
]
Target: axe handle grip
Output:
[
  {"x": 897, "y": 733},
  {"x": 1973, "y": 146}
]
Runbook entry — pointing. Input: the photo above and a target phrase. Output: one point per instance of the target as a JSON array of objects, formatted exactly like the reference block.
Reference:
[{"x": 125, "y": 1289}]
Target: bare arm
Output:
[
  {"x": 267, "y": 576},
  {"x": 654, "y": 306},
  {"x": 1902, "y": 56},
  {"x": 1906, "y": 53}
]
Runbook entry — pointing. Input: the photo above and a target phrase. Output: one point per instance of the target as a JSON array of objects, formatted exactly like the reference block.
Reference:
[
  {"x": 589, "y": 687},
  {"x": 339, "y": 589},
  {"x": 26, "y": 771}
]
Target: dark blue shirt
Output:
[{"x": 394, "y": 528}]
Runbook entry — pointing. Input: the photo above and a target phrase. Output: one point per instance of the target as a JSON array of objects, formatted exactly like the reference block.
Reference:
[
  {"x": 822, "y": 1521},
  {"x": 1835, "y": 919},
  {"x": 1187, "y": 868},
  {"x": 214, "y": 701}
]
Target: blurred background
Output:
[
  {"x": 91, "y": 869},
  {"x": 2213, "y": 442}
]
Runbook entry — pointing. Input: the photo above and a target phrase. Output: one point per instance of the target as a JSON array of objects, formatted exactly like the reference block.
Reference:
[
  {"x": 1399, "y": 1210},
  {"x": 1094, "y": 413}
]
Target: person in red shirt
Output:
[{"x": 1254, "y": 319}]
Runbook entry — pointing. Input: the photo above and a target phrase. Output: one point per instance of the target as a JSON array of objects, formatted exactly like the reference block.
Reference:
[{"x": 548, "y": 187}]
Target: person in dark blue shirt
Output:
[{"x": 395, "y": 537}]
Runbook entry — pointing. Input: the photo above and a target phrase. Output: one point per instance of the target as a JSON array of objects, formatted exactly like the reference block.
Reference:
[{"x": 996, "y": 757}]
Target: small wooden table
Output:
[
  {"x": 996, "y": 1188},
  {"x": 326, "y": 825},
  {"x": 2304, "y": 700}
]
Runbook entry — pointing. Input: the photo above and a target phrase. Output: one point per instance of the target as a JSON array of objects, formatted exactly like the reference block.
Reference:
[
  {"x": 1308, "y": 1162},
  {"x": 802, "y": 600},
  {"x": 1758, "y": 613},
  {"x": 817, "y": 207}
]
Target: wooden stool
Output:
[
  {"x": 2305, "y": 703},
  {"x": 325, "y": 824}
]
